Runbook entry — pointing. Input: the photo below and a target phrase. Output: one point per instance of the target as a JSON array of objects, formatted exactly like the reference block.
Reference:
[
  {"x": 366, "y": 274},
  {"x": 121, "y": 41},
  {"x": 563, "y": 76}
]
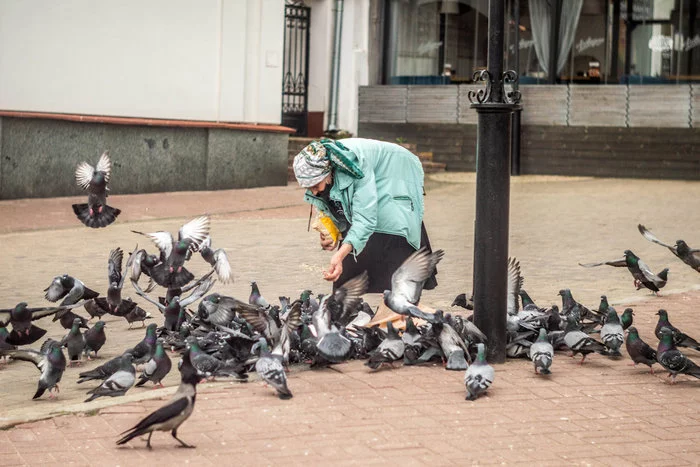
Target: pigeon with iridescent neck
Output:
[
  {"x": 256, "y": 298},
  {"x": 270, "y": 368},
  {"x": 74, "y": 342},
  {"x": 627, "y": 318},
  {"x": 580, "y": 342},
  {"x": 672, "y": 359},
  {"x": 156, "y": 368},
  {"x": 638, "y": 350},
  {"x": 95, "y": 213},
  {"x": 95, "y": 338},
  {"x": 390, "y": 350},
  {"x": 117, "y": 384},
  {"x": 21, "y": 317},
  {"x": 143, "y": 351},
  {"x": 680, "y": 339},
  {"x": 690, "y": 256},
  {"x": 479, "y": 376},
  {"x": 50, "y": 361},
  {"x": 643, "y": 276}
]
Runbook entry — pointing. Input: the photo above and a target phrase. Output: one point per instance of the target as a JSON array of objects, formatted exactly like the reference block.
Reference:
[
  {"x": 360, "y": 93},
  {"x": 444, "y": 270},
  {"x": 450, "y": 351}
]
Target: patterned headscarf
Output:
[{"x": 316, "y": 161}]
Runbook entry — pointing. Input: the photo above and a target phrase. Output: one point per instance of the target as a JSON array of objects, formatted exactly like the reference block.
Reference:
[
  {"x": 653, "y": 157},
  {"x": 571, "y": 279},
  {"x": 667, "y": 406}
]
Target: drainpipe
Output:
[{"x": 335, "y": 67}]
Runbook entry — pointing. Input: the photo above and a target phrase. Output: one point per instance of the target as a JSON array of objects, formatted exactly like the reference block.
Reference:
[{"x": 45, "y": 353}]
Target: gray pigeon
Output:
[
  {"x": 68, "y": 288},
  {"x": 390, "y": 350},
  {"x": 612, "y": 334},
  {"x": 542, "y": 353},
  {"x": 95, "y": 213},
  {"x": 689, "y": 256},
  {"x": 156, "y": 368},
  {"x": 580, "y": 342},
  {"x": 95, "y": 338},
  {"x": 638, "y": 350},
  {"x": 413, "y": 346},
  {"x": 49, "y": 360},
  {"x": 453, "y": 346},
  {"x": 479, "y": 376},
  {"x": 74, "y": 342},
  {"x": 407, "y": 283},
  {"x": 143, "y": 351},
  {"x": 672, "y": 359},
  {"x": 171, "y": 272},
  {"x": 21, "y": 317},
  {"x": 107, "y": 369},
  {"x": 255, "y": 297},
  {"x": 643, "y": 276},
  {"x": 218, "y": 259},
  {"x": 271, "y": 370},
  {"x": 174, "y": 413},
  {"x": 117, "y": 384}
]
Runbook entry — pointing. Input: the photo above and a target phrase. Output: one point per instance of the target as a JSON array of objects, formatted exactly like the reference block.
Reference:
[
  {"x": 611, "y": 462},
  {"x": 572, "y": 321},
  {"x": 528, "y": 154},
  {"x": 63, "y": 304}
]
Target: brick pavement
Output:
[{"x": 605, "y": 412}]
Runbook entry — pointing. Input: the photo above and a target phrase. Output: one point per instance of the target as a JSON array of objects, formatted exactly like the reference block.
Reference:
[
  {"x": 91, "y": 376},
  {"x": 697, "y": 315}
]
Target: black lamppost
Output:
[{"x": 494, "y": 107}]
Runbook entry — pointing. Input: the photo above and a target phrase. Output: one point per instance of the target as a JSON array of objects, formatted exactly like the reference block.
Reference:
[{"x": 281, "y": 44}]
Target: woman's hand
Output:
[
  {"x": 336, "y": 266},
  {"x": 327, "y": 242}
]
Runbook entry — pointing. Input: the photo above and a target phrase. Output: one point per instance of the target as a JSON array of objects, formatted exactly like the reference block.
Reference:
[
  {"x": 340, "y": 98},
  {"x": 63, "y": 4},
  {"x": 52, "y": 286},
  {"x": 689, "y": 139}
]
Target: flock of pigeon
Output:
[{"x": 227, "y": 337}]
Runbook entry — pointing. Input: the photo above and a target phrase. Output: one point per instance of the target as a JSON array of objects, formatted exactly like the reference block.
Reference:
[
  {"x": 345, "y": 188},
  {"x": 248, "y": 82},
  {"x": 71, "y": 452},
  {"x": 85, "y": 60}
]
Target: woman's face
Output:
[{"x": 320, "y": 186}]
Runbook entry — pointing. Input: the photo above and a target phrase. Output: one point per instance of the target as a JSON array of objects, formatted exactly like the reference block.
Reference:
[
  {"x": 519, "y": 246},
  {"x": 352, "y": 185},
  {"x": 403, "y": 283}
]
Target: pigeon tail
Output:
[
  {"x": 163, "y": 277},
  {"x": 39, "y": 392},
  {"x": 25, "y": 338},
  {"x": 98, "y": 219},
  {"x": 456, "y": 361}
]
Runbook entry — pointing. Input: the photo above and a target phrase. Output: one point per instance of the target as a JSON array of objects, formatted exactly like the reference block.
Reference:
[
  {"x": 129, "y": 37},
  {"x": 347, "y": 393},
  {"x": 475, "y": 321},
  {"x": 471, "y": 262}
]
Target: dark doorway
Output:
[{"x": 296, "y": 66}]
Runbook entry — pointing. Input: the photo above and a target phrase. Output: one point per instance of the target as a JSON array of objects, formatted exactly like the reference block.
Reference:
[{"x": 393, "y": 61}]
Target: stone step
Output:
[
  {"x": 426, "y": 156},
  {"x": 432, "y": 167}
]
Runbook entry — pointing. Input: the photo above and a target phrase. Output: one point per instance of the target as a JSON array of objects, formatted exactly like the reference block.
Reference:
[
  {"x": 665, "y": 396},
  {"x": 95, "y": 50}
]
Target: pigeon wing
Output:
[
  {"x": 407, "y": 281},
  {"x": 197, "y": 230},
  {"x": 294, "y": 317},
  {"x": 197, "y": 293},
  {"x": 83, "y": 175},
  {"x": 105, "y": 165},
  {"x": 618, "y": 263},
  {"x": 114, "y": 266},
  {"x": 143, "y": 294},
  {"x": 163, "y": 240},
  {"x": 354, "y": 289},
  {"x": 515, "y": 282},
  {"x": 29, "y": 355},
  {"x": 55, "y": 291},
  {"x": 648, "y": 274},
  {"x": 652, "y": 238},
  {"x": 256, "y": 317},
  {"x": 222, "y": 266}
]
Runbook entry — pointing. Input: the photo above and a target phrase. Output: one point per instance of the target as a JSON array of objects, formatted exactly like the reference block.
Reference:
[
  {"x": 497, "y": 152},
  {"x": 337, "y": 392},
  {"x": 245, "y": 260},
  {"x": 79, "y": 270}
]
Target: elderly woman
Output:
[{"x": 373, "y": 193}]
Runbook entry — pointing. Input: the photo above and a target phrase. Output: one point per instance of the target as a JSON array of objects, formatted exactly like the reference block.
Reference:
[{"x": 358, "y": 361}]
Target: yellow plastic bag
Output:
[{"x": 326, "y": 226}]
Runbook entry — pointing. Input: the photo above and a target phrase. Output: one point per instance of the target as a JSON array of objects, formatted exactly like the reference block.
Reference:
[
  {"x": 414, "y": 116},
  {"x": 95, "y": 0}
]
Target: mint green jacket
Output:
[{"x": 388, "y": 199}]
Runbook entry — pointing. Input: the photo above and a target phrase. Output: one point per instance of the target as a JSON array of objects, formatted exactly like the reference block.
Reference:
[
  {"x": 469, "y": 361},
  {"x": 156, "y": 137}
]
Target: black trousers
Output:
[{"x": 382, "y": 255}]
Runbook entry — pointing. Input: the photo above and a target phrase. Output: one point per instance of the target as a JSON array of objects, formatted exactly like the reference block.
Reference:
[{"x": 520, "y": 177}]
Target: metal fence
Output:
[{"x": 668, "y": 106}]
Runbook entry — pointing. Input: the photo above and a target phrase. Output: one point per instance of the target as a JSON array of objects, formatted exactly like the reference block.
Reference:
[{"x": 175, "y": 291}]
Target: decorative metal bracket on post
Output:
[{"x": 494, "y": 105}]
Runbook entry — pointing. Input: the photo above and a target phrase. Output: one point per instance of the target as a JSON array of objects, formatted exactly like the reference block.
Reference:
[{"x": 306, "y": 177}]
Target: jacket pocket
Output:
[{"x": 404, "y": 200}]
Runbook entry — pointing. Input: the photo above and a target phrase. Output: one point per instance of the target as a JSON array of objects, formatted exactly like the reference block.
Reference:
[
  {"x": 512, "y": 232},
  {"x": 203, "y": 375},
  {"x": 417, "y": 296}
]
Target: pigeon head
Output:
[
  {"x": 76, "y": 325},
  {"x": 151, "y": 329},
  {"x": 682, "y": 247},
  {"x": 188, "y": 373},
  {"x": 305, "y": 295},
  {"x": 632, "y": 332},
  {"x": 67, "y": 281},
  {"x": 663, "y": 314},
  {"x": 99, "y": 325},
  {"x": 612, "y": 316},
  {"x": 460, "y": 300},
  {"x": 386, "y": 294},
  {"x": 663, "y": 274},
  {"x": 128, "y": 357}
]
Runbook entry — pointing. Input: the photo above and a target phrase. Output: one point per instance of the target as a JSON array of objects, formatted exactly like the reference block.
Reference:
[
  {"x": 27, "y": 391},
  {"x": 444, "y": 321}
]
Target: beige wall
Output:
[{"x": 179, "y": 59}]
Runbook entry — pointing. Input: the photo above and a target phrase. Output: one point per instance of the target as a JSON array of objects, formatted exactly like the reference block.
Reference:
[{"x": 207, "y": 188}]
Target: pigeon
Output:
[
  {"x": 627, "y": 318},
  {"x": 117, "y": 384},
  {"x": 171, "y": 271},
  {"x": 68, "y": 288},
  {"x": 156, "y": 368},
  {"x": 542, "y": 353},
  {"x": 49, "y": 360},
  {"x": 407, "y": 283},
  {"x": 137, "y": 314},
  {"x": 643, "y": 277},
  {"x": 95, "y": 213},
  {"x": 95, "y": 338},
  {"x": 220, "y": 310},
  {"x": 270, "y": 368},
  {"x": 479, "y": 376},
  {"x": 612, "y": 334},
  {"x": 255, "y": 297},
  {"x": 66, "y": 318},
  {"x": 333, "y": 345},
  {"x": 411, "y": 338},
  {"x": 210, "y": 367},
  {"x": 174, "y": 413},
  {"x": 4, "y": 333},
  {"x": 21, "y": 317},
  {"x": 218, "y": 259},
  {"x": 680, "y": 339},
  {"x": 461, "y": 301},
  {"x": 580, "y": 342},
  {"x": 143, "y": 351},
  {"x": 390, "y": 350},
  {"x": 451, "y": 343},
  {"x": 113, "y": 303},
  {"x": 173, "y": 310},
  {"x": 638, "y": 350},
  {"x": 107, "y": 369},
  {"x": 141, "y": 262},
  {"x": 689, "y": 256},
  {"x": 672, "y": 359},
  {"x": 74, "y": 342}
]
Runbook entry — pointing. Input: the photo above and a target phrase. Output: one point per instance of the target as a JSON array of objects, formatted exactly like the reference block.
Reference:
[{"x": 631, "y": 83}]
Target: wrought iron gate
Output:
[{"x": 296, "y": 65}]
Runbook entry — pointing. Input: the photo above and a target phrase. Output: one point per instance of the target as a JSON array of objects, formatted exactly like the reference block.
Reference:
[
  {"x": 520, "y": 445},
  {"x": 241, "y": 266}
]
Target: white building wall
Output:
[
  {"x": 175, "y": 59},
  {"x": 354, "y": 64}
]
